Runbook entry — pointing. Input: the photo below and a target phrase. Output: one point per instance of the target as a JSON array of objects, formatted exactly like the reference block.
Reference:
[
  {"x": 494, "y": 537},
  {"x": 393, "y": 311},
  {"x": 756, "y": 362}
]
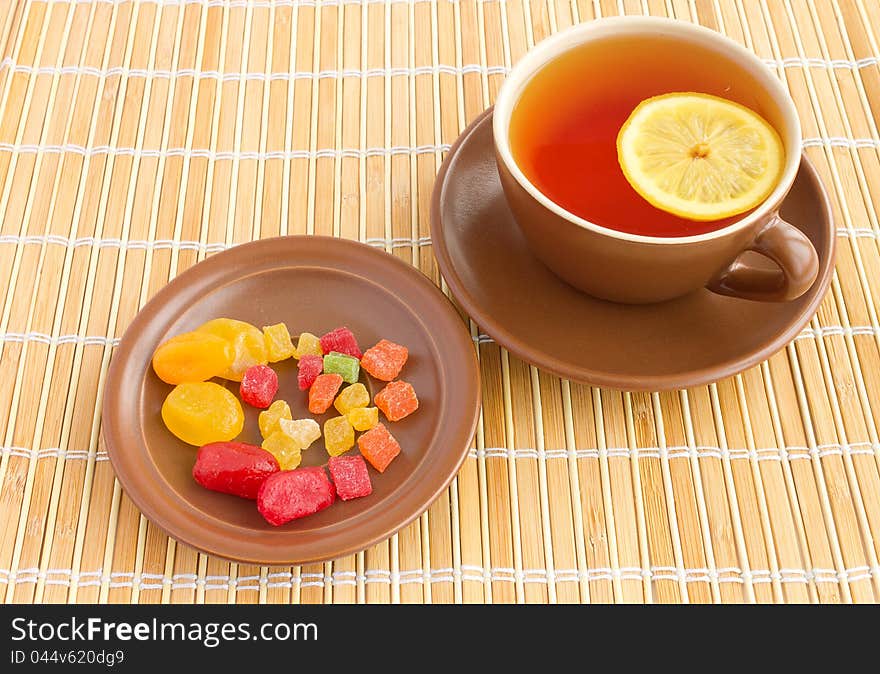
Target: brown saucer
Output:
[
  {"x": 313, "y": 284},
  {"x": 685, "y": 342}
]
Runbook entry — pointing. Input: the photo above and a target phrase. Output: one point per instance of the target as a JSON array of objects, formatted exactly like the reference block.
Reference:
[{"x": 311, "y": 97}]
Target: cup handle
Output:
[{"x": 790, "y": 249}]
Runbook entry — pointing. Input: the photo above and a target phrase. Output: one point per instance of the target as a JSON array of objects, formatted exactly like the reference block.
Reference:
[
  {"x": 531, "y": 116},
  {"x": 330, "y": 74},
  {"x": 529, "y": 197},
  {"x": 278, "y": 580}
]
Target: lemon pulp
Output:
[{"x": 698, "y": 156}]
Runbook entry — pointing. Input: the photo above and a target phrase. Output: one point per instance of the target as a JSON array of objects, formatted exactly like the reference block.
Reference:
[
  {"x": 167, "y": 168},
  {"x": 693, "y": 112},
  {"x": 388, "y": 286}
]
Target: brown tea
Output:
[{"x": 563, "y": 129}]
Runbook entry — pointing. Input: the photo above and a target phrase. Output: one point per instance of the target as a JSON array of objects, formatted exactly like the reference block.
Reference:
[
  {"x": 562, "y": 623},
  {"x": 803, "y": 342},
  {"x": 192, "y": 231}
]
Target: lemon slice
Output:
[{"x": 699, "y": 156}]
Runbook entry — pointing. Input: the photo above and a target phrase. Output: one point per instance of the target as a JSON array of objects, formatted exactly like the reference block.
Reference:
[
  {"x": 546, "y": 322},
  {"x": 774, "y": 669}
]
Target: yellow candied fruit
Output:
[
  {"x": 278, "y": 342},
  {"x": 302, "y": 431},
  {"x": 247, "y": 341},
  {"x": 284, "y": 449},
  {"x": 269, "y": 418},
  {"x": 202, "y": 412},
  {"x": 352, "y": 397},
  {"x": 308, "y": 345},
  {"x": 338, "y": 436},
  {"x": 363, "y": 418}
]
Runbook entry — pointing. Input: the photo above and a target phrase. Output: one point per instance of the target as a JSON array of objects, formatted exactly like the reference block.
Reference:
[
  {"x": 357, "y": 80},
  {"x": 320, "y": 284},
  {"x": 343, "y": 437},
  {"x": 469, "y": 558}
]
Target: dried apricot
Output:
[{"x": 192, "y": 357}]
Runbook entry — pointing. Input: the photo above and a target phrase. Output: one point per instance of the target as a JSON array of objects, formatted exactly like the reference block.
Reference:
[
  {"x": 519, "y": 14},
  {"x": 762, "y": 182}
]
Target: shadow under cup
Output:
[{"x": 610, "y": 66}]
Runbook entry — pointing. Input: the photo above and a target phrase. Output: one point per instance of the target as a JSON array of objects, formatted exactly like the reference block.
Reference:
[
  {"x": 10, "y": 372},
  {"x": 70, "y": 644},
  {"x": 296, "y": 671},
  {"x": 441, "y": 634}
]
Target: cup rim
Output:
[{"x": 560, "y": 42}]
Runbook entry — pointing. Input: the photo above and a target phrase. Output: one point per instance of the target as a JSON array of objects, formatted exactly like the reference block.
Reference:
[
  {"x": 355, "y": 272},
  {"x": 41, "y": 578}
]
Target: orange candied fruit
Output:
[
  {"x": 397, "y": 400},
  {"x": 322, "y": 392},
  {"x": 385, "y": 360},
  {"x": 378, "y": 447}
]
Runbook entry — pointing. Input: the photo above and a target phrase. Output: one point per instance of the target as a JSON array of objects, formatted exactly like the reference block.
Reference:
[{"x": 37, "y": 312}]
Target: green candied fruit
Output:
[{"x": 345, "y": 366}]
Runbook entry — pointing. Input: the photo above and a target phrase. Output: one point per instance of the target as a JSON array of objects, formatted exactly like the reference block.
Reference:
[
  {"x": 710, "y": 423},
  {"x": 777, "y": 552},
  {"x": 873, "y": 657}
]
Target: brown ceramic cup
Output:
[{"x": 637, "y": 269}]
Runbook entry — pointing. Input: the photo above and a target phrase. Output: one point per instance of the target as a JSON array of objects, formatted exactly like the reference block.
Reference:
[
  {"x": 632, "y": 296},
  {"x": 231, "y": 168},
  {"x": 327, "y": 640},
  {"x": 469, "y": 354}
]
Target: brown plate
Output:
[
  {"x": 313, "y": 284},
  {"x": 685, "y": 342}
]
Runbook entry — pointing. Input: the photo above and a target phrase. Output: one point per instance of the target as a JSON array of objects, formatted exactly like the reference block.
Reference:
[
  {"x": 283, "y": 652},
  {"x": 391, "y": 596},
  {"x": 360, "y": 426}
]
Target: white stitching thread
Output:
[
  {"x": 152, "y": 581},
  {"x": 858, "y": 232},
  {"x": 100, "y": 340},
  {"x": 840, "y": 141},
  {"x": 236, "y": 76},
  {"x": 800, "y": 62},
  {"x": 44, "y": 338},
  {"x": 829, "y": 330},
  {"x": 224, "y": 155},
  {"x": 441, "y": 68},
  {"x": 54, "y": 453},
  {"x": 163, "y": 244},
  {"x": 253, "y": 3},
  {"x": 324, "y": 153},
  {"x": 792, "y": 453}
]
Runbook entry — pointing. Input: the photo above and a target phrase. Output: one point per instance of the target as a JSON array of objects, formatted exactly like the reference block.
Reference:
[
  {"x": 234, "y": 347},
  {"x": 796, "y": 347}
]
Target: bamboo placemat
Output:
[{"x": 138, "y": 137}]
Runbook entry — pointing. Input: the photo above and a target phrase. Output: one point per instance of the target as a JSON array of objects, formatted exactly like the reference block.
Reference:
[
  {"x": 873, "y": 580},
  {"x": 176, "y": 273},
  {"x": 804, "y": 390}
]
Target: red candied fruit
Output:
[
  {"x": 309, "y": 369},
  {"x": 233, "y": 468},
  {"x": 397, "y": 400},
  {"x": 259, "y": 386},
  {"x": 349, "y": 474},
  {"x": 341, "y": 340},
  {"x": 323, "y": 391},
  {"x": 378, "y": 447},
  {"x": 385, "y": 360},
  {"x": 292, "y": 494}
]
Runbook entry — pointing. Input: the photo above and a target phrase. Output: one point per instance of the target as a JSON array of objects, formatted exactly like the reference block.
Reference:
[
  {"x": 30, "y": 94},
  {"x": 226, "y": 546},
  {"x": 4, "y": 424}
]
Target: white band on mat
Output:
[
  {"x": 399, "y": 71},
  {"x": 285, "y": 579},
  {"x": 100, "y": 340},
  {"x": 792, "y": 453}
]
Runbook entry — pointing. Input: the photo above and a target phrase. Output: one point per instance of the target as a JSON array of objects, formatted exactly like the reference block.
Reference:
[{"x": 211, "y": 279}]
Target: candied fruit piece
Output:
[
  {"x": 378, "y": 447},
  {"x": 338, "y": 436},
  {"x": 233, "y": 468},
  {"x": 302, "y": 431},
  {"x": 291, "y": 494},
  {"x": 345, "y": 366},
  {"x": 192, "y": 357},
  {"x": 350, "y": 475},
  {"x": 397, "y": 400},
  {"x": 309, "y": 369},
  {"x": 284, "y": 449},
  {"x": 308, "y": 345},
  {"x": 278, "y": 343},
  {"x": 322, "y": 392},
  {"x": 341, "y": 340},
  {"x": 352, "y": 397},
  {"x": 363, "y": 418},
  {"x": 385, "y": 360},
  {"x": 247, "y": 342},
  {"x": 259, "y": 386},
  {"x": 269, "y": 419},
  {"x": 202, "y": 412}
]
